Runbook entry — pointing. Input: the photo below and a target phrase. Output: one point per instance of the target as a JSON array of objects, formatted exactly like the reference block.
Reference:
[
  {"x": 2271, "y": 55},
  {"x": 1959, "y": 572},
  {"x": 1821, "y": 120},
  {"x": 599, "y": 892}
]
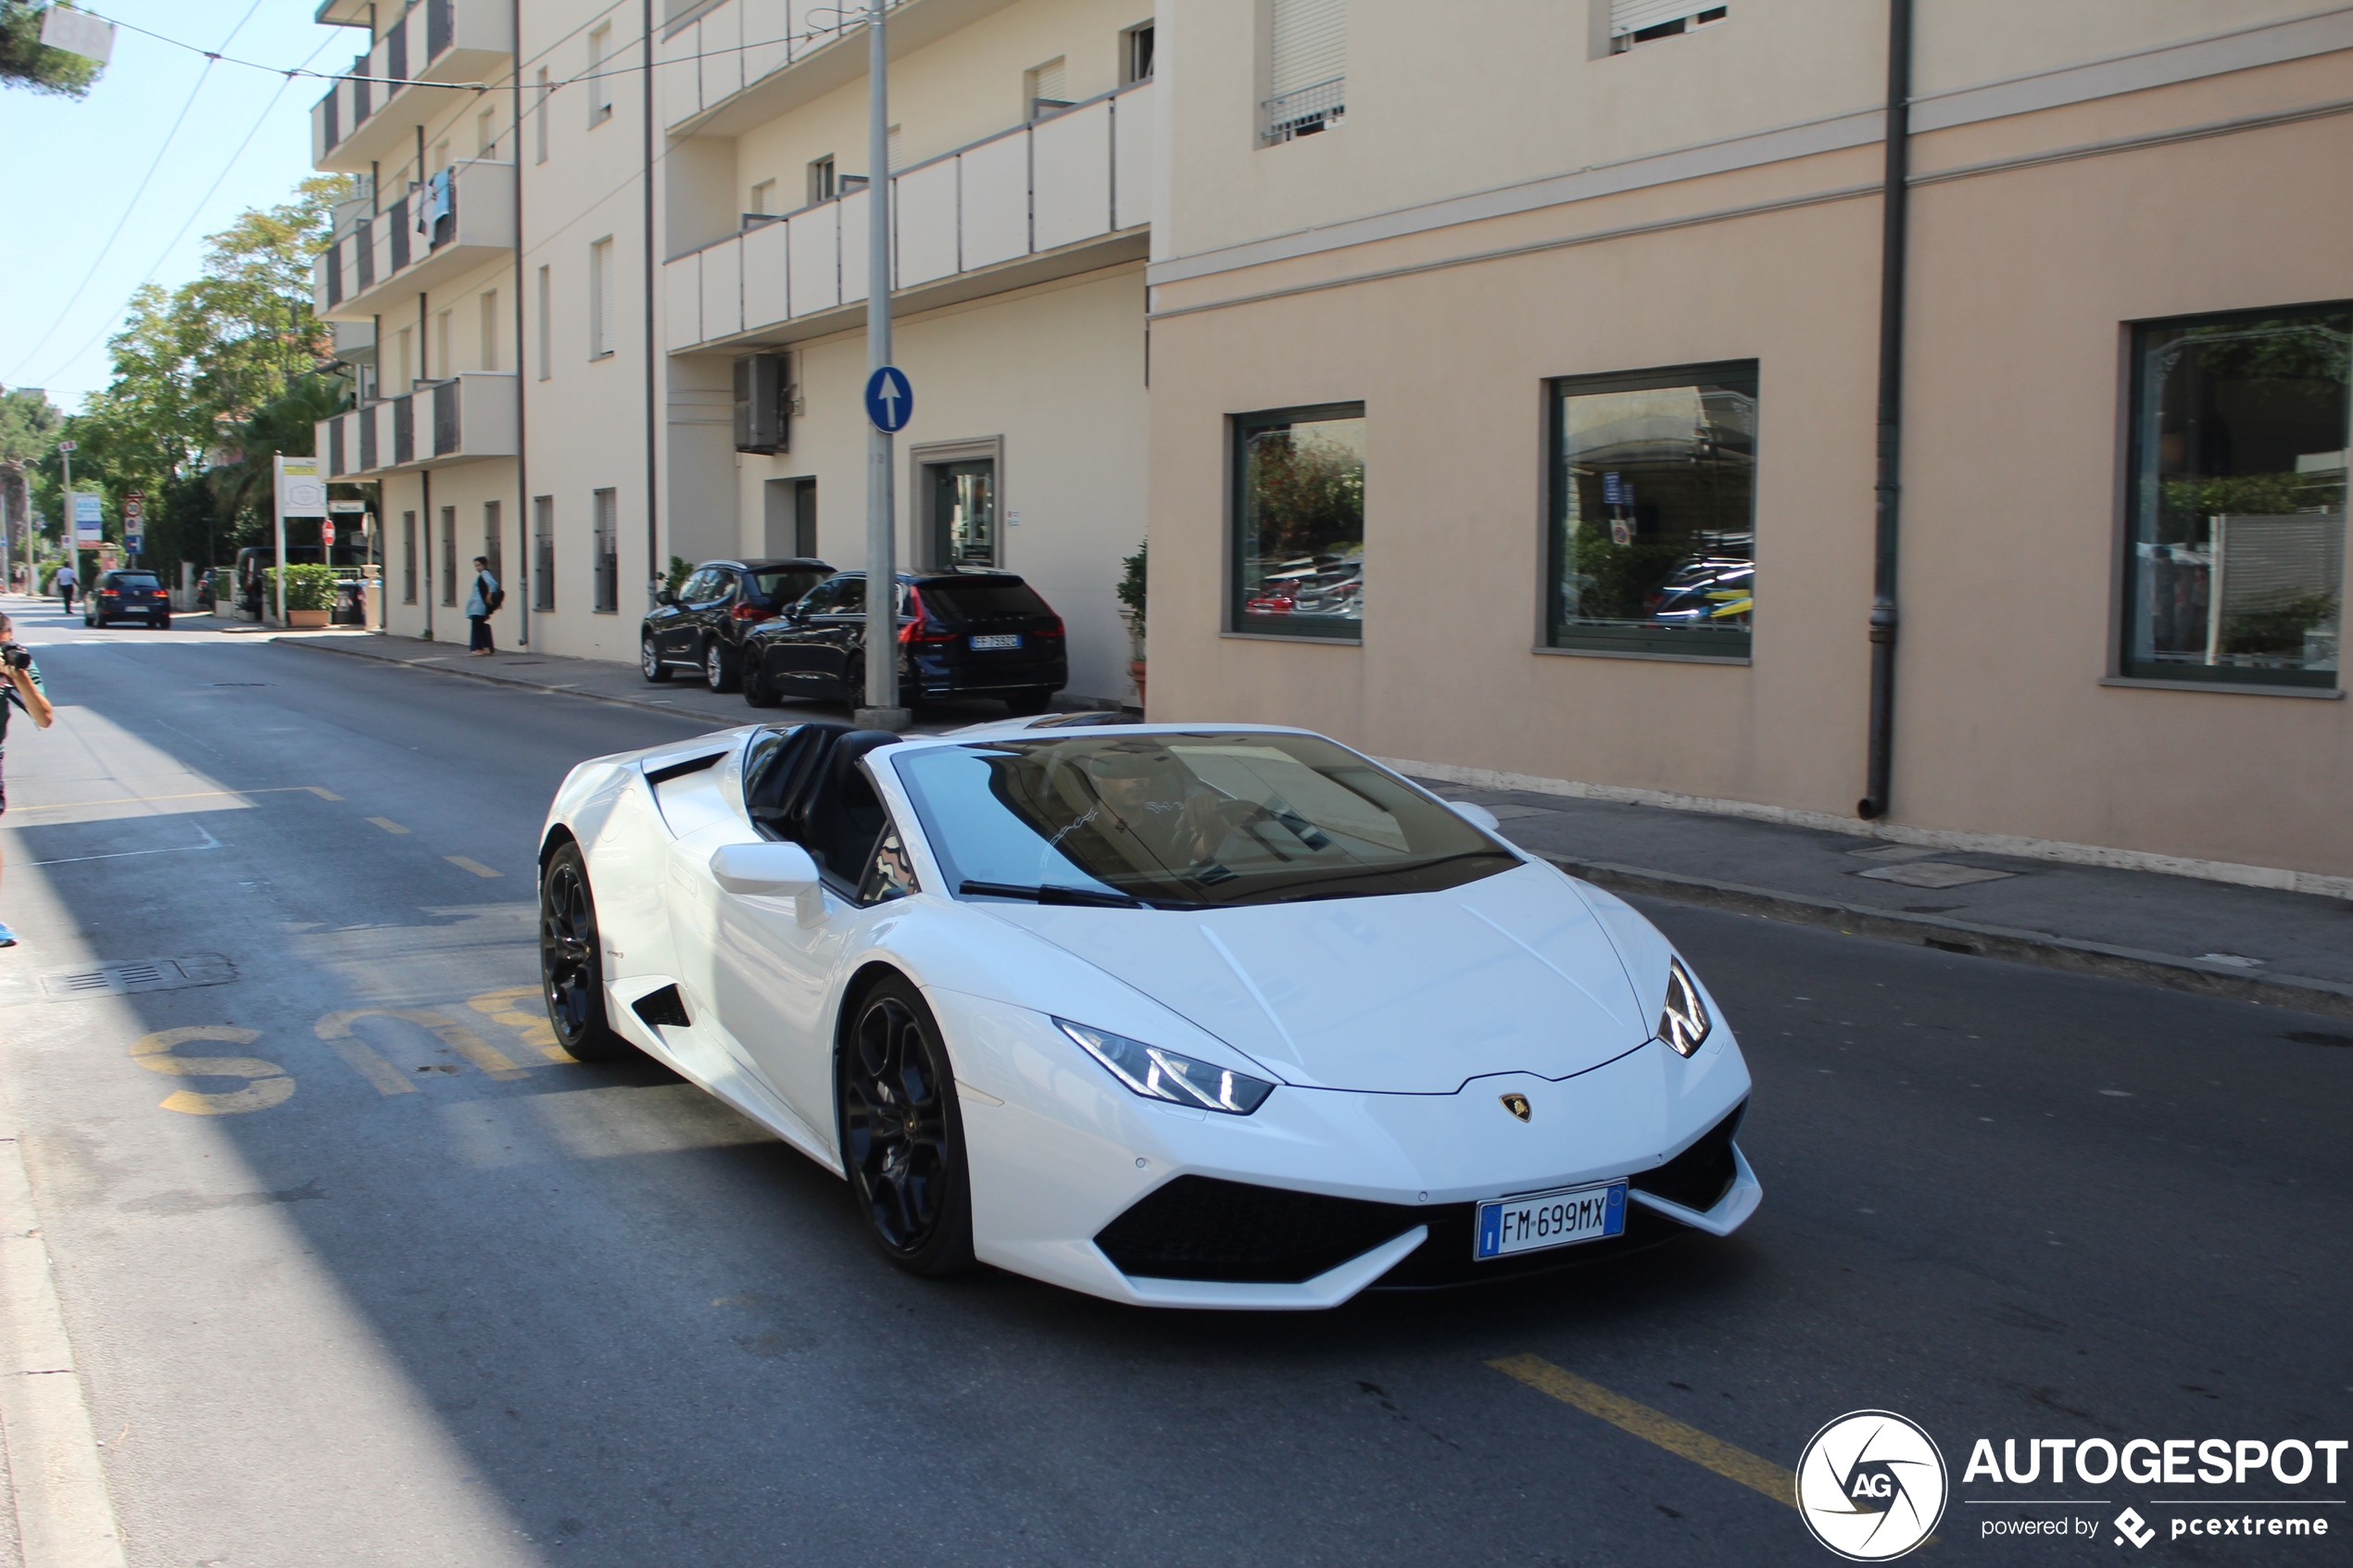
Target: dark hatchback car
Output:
[
  {"x": 702, "y": 626},
  {"x": 962, "y": 634},
  {"x": 128, "y": 596}
]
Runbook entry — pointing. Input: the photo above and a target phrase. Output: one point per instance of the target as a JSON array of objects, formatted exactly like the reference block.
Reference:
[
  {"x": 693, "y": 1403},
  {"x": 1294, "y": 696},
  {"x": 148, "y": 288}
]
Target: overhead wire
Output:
[{"x": 131, "y": 205}]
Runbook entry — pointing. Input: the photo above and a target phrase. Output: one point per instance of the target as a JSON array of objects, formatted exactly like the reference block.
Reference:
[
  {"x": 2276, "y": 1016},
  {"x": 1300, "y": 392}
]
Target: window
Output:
[
  {"x": 441, "y": 361},
  {"x": 1299, "y": 522},
  {"x": 1043, "y": 90},
  {"x": 1306, "y": 58},
  {"x": 490, "y": 330},
  {"x": 763, "y": 199},
  {"x": 1654, "y": 530},
  {"x": 1633, "y": 23},
  {"x": 821, "y": 184},
  {"x": 543, "y": 552},
  {"x": 546, "y": 362},
  {"x": 601, "y": 304},
  {"x": 449, "y": 555},
  {"x": 607, "y": 547},
  {"x": 539, "y": 118},
  {"x": 2234, "y": 569},
  {"x": 492, "y": 550},
  {"x": 890, "y": 149},
  {"x": 404, "y": 356},
  {"x": 599, "y": 85},
  {"x": 1136, "y": 53},
  {"x": 962, "y": 510},
  {"x": 486, "y": 133},
  {"x": 407, "y": 557}
]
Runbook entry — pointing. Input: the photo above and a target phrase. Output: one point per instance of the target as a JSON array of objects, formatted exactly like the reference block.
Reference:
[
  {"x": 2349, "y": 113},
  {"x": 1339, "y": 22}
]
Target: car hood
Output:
[{"x": 1410, "y": 994}]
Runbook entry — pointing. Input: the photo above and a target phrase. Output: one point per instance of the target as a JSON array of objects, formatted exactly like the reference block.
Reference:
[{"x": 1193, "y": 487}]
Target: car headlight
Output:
[
  {"x": 1683, "y": 1022},
  {"x": 1163, "y": 1076}
]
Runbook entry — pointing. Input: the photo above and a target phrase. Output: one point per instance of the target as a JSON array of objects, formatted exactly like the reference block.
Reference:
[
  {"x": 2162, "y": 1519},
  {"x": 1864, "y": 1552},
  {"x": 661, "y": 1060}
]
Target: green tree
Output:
[{"x": 25, "y": 61}]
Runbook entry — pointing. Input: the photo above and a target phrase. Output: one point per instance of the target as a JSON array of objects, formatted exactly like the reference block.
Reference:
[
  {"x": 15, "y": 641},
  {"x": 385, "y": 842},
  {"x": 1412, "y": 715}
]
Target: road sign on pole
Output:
[
  {"x": 327, "y": 533},
  {"x": 890, "y": 401}
]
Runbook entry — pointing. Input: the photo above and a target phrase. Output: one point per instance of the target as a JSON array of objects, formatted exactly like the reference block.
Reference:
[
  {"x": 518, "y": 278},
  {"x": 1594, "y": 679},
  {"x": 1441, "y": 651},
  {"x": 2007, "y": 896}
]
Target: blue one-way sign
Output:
[{"x": 890, "y": 402}]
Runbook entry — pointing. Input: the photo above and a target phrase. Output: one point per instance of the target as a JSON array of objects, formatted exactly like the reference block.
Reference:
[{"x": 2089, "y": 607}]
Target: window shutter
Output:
[
  {"x": 1635, "y": 15},
  {"x": 1311, "y": 45}
]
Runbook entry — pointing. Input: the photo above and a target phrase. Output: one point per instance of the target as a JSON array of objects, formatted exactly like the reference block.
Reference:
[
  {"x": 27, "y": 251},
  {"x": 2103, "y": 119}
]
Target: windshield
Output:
[
  {"x": 989, "y": 595},
  {"x": 130, "y": 580},
  {"x": 1185, "y": 820},
  {"x": 785, "y": 587}
]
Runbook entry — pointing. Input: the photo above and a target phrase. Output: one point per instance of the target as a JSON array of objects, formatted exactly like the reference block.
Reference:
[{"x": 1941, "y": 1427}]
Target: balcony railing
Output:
[
  {"x": 1049, "y": 194},
  {"x": 739, "y": 43},
  {"x": 470, "y": 416},
  {"x": 1304, "y": 112},
  {"x": 439, "y": 42},
  {"x": 441, "y": 230}
]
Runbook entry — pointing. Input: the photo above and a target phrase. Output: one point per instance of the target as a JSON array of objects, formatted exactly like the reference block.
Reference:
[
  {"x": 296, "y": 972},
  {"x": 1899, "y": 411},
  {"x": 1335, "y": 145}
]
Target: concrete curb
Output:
[
  {"x": 2329, "y": 998},
  {"x": 492, "y": 678}
]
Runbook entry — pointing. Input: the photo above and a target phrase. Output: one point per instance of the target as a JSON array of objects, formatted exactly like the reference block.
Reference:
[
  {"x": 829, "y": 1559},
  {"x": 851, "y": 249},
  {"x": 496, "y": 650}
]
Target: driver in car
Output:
[{"x": 1157, "y": 812}]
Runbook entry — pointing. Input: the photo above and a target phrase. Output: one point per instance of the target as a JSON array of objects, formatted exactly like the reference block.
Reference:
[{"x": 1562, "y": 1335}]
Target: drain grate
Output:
[{"x": 131, "y": 975}]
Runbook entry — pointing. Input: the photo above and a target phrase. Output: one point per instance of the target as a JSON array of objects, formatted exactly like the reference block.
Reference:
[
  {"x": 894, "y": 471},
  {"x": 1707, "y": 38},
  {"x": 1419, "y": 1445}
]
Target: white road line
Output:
[{"x": 64, "y": 1516}]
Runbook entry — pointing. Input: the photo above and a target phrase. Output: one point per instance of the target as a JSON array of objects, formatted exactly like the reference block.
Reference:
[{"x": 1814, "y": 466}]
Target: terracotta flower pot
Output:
[
  {"x": 1136, "y": 674},
  {"x": 306, "y": 620}
]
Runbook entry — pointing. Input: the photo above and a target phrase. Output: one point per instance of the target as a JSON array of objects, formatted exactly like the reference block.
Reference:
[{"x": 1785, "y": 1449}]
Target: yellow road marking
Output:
[
  {"x": 457, "y": 1036},
  {"x": 1653, "y": 1426},
  {"x": 499, "y": 1007},
  {"x": 368, "y": 1065},
  {"x": 199, "y": 794},
  {"x": 387, "y": 824},
  {"x": 474, "y": 866},
  {"x": 268, "y": 1085}
]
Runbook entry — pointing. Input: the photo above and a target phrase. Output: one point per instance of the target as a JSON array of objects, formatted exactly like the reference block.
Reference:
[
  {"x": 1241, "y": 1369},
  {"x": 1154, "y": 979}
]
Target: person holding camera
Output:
[{"x": 22, "y": 691}]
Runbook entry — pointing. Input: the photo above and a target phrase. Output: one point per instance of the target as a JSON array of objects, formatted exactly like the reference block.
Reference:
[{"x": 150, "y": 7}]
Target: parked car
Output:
[
  {"x": 210, "y": 584},
  {"x": 1705, "y": 590},
  {"x": 960, "y": 634},
  {"x": 702, "y": 626},
  {"x": 128, "y": 596}
]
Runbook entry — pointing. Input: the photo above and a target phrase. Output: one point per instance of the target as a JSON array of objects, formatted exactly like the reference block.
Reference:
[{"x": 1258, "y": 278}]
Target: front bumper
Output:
[{"x": 1068, "y": 1170}]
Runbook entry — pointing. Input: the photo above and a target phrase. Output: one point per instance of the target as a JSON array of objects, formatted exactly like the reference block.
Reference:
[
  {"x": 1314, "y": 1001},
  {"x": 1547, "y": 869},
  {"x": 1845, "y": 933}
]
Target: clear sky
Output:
[{"x": 70, "y": 169}]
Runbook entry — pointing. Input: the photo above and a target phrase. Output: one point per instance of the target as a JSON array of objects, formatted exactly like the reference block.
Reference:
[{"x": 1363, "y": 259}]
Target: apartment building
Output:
[
  {"x": 1517, "y": 407},
  {"x": 609, "y": 290}
]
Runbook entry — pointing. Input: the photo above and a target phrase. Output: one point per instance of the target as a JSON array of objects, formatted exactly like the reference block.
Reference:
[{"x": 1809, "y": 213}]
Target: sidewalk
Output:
[
  {"x": 2252, "y": 944},
  {"x": 606, "y": 681}
]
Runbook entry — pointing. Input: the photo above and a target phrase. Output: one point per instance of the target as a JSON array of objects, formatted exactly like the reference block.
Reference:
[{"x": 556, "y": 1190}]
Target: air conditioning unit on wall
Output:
[{"x": 763, "y": 409}]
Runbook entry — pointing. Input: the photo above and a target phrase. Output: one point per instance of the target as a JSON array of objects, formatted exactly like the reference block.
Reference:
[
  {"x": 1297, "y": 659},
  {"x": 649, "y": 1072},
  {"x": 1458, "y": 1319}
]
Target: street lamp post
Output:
[
  {"x": 882, "y": 710},
  {"x": 72, "y": 529}
]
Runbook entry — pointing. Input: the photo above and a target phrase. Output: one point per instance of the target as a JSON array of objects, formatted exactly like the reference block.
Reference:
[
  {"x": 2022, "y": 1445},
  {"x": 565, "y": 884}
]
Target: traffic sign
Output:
[
  {"x": 890, "y": 401},
  {"x": 134, "y": 542},
  {"x": 69, "y": 447},
  {"x": 327, "y": 533},
  {"x": 135, "y": 507}
]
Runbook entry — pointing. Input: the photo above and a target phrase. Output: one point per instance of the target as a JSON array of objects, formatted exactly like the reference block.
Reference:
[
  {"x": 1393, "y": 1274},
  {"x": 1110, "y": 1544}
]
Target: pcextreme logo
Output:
[{"x": 1871, "y": 1486}]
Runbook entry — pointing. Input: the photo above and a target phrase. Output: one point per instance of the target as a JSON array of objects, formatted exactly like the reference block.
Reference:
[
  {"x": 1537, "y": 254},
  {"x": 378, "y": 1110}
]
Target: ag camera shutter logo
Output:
[{"x": 1871, "y": 1486}]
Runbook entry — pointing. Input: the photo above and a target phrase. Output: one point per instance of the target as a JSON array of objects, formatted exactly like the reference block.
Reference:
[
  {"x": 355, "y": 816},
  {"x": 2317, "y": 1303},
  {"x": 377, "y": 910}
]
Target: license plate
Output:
[
  {"x": 991, "y": 641},
  {"x": 1549, "y": 1219}
]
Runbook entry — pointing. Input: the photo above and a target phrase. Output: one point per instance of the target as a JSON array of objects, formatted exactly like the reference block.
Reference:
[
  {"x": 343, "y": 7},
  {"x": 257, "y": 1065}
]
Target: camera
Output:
[{"x": 15, "y": 655}]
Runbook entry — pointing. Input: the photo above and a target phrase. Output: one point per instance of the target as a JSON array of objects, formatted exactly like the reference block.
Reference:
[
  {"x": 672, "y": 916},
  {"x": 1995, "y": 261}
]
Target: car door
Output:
[
  {"x": 675, "y": 628},
  {"x": 837, "y": 637},
  {"x": 790, "y": 645},
  {"x": 710, "y": 613}
]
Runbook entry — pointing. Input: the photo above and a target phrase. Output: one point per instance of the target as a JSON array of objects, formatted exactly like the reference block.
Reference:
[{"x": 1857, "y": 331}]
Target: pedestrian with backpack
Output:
[{"x": 481, "y": 605}]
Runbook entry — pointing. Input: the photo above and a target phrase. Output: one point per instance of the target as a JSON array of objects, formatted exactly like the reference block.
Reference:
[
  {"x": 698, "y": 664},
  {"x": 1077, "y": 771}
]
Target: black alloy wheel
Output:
[
  {"x": 718, "y": 666},
  {"x": 572, "y": 969},
  {"x": 902, "y": 1133},
  {"x": 754, "y": 680},
  {"x": 649, "y": 662}
]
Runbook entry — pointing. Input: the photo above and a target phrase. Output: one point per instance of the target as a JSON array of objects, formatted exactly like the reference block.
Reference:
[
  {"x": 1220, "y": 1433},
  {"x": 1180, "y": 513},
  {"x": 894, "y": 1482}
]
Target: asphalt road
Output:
[{"x": 399, "y": 1288}]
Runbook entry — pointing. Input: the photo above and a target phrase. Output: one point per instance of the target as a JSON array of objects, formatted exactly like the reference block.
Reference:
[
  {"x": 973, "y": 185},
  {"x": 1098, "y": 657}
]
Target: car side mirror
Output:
[
  {"x": 665, "y": 596},
  {"x": 772, "y": 871},
  {"x": 1477, "y": 816}
]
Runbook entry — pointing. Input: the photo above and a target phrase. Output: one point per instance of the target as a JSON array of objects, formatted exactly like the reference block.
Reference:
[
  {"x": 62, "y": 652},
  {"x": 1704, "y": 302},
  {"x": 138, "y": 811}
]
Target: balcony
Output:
[
  {"x": 384, "y": 256},
  {"x": 1060, "y": 196},
  {"x": 471, "y": 416},
  {"x": 433, "y": 41}
]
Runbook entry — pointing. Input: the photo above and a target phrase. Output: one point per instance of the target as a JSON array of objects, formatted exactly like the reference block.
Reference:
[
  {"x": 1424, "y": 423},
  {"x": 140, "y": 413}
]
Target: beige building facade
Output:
[
  {"x": 1515, "y": 409},
  {"x": 632, "y": 213}
]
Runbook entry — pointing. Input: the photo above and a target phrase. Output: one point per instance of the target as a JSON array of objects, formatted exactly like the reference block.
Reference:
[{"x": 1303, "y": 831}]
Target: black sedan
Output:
[
  {"x": 702, "y": 626},
  {"x": 962, "y": 634},
  {"x": 127, "y": 595}
]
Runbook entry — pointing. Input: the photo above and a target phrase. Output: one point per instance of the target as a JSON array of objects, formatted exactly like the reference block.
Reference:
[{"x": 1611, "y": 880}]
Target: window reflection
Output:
[
  {"x": 2237, "y": 553},
  {"x": 1654, "y": 527},
  {"x": 1300, "y": 514}
]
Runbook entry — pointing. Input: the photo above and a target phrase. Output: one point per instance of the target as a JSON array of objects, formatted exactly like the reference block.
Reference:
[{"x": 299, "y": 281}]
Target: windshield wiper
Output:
[{"x": 1050, "y": 894}]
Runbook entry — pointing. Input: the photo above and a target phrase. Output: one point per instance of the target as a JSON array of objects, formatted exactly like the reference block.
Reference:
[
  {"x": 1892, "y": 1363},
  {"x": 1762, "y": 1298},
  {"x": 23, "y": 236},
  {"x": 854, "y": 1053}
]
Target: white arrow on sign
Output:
[{"x": 890, "y": 397}]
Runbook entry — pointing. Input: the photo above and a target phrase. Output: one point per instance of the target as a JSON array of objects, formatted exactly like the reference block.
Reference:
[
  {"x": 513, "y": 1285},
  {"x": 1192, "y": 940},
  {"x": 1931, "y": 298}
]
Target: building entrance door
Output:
[{"x": 963, "y": 513}]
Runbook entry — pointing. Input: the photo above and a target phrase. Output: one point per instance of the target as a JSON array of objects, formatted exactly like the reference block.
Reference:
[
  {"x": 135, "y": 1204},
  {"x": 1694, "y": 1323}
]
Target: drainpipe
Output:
[
  {"x": 525, "y": 565},
  {"x": 1893, "y": 228},
  {"x": 653, "y": 427}
]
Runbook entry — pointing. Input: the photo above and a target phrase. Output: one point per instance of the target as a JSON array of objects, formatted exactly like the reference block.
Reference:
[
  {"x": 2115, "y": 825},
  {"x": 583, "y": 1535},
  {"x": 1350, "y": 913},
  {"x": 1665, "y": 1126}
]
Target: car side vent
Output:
[
  {"x": 1201, "y": 1227},
  {"x": 663, "y": 1006},
  {"x": 1699, "y": 1177}
]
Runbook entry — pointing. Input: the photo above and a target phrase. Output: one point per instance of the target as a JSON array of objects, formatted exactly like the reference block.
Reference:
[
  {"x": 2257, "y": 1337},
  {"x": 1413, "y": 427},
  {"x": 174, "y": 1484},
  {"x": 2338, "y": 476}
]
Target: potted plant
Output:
[
  {"x": 1131, "y": 601},
  {"x": 311, "y": 594}
]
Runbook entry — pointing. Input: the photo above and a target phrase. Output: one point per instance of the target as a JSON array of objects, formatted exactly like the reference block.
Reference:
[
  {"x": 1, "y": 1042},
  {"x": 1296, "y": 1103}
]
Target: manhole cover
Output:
[
  {"x": 140, "y": 974},
  {"x": 1934, "y": 874}
]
